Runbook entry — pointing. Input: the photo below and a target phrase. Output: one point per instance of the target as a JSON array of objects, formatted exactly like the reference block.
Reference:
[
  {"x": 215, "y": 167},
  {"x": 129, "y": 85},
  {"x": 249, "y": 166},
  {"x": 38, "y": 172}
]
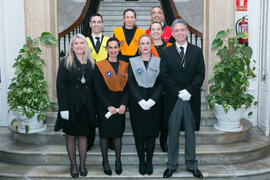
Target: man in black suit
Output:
[{"x": 182, "y": 73}]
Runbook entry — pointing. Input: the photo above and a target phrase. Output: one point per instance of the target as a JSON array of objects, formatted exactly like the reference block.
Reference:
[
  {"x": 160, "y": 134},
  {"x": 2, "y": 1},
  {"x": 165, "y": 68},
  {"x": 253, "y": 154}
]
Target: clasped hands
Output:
[
  {"x": 120, "y": 110},
  {"x": 112, "y": 110},
  {"x": 184, "y": 95},
  {"x": 146, "y": 105}
]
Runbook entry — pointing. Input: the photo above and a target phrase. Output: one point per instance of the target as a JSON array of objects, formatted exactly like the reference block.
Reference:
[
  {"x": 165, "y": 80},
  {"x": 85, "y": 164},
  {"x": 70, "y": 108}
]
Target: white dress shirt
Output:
[
  {"x": 184, "y": 46},
  {"x": 94, "y": 38}
]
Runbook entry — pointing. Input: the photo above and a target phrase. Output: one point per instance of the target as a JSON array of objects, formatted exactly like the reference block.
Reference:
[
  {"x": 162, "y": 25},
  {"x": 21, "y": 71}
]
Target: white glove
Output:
[
  {"x": 150, "y": 103},
  {"x": 144, "y": 105},
  {"x": 108, "y": 115},
  {"x": 64, "y": 115},
  {"x": 184, "y": 95}
]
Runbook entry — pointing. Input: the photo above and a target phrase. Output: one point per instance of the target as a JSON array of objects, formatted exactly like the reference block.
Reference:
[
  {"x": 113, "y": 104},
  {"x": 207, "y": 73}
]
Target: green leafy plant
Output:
[
  {"x": 28, "y": 91},
  {"x": 230, "y": 81}
]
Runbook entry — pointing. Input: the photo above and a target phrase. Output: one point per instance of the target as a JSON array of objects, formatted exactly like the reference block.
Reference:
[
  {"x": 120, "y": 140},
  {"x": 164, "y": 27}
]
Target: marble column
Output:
[
  {"x": 218, "y": 15},
  {"x": 41, "y": 16}
]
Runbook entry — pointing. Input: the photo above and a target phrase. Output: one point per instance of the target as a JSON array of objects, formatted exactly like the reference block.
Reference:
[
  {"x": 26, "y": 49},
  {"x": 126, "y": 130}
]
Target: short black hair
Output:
[
  {"x": 112, "y": 39},
  {"x": 156, "y": 7},
  {"x": 129, "y": 9},
  {"x": 93, "y": 15}
]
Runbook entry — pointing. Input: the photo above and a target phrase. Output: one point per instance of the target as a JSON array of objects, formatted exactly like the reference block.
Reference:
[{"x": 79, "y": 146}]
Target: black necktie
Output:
[
  {"x": 182, "y": 56},
  {"x": 98, "y": 43}
]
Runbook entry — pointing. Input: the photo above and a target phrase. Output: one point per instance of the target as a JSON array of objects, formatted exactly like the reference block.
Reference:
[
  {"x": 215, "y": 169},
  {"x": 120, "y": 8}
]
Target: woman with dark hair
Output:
[
  {"x": 145, "y": 105},
  {"x": 128, "y": 35},
  {"x": 76, "y": 100},
  {"x": 158, "y": 43},
  {"x": 110, "y": 86}
]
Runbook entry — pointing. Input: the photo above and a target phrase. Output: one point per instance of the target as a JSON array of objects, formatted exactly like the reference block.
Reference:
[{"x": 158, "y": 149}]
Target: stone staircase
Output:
[
  {"x": 221, "y": 155},
  {"x": 243, "y": 155},
  {"x": 112, "y": 12}
]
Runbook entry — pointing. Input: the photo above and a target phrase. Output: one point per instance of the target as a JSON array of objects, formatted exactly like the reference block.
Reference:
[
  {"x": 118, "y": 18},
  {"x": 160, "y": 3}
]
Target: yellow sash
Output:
[
  {"x": 131, "y": 49},
  {"x": 102, "y": 54}
]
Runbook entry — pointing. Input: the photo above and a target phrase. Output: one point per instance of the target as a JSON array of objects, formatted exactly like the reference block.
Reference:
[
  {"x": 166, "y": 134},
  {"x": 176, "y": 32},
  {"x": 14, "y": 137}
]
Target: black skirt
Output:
[{"x": 79, "y": 126}]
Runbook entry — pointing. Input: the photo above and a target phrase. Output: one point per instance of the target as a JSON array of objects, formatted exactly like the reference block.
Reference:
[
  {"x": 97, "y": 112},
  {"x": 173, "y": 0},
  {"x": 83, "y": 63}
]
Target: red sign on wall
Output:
[{"x": 241, "y": 5}]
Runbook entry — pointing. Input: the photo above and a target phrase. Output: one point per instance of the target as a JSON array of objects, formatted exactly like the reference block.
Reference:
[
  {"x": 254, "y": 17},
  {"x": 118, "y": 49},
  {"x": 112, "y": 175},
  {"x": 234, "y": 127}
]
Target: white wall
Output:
[
  {"x": 264, "y": 76},
  {"x": 12, "y": 35},
  {"x": 253, "y": 15}
]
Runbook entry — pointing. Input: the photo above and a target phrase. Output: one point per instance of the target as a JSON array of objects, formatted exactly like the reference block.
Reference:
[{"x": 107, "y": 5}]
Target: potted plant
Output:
[
  {"x": 230, "y": 81},
  {"x": 27, "y": 93}
]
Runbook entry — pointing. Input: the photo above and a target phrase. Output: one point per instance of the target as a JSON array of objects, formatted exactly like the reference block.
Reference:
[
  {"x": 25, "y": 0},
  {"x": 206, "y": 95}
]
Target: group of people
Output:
[{"x": 156, "y": 74}]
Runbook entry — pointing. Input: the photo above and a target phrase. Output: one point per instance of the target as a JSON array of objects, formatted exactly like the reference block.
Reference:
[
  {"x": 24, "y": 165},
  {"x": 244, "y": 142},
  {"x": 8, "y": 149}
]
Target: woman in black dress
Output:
[
  {"x": 75, "y": 93},
  {"x": 145, "y": 106},
  {"x": 110, "y": 86}
]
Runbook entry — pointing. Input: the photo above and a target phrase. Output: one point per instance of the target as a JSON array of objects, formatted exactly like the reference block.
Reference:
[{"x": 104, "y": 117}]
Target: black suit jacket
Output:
[{"x": 176, "y": 78}]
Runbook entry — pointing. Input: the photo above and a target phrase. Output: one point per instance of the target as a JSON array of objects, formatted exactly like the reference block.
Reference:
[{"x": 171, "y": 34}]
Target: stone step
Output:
[
  {"x": 123, "y": 8},
  {"x": 119, "y": 17},
  {"x": 129, "y": 4},
  {"x": 125, "y": 1},
  {"x": 258, "y": 169},
  {"x": 250, "y": 149},
  {"x": 109, "y": 28},
  {"x": 117, "y": 13},
  {"x": 118, "y": 23},
  {"x": 206, "y": 135}
]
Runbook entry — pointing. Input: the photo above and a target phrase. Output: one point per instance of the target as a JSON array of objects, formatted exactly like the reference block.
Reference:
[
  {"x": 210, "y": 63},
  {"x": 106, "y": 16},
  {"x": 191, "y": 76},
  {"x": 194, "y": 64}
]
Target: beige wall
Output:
[
  {"x": 218, "y": 15},
  {"x": 40, "y": 16}
]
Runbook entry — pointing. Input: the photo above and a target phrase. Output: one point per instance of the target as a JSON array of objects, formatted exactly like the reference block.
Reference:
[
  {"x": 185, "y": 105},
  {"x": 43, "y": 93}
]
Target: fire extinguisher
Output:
[{"x": 242, "y": 26}]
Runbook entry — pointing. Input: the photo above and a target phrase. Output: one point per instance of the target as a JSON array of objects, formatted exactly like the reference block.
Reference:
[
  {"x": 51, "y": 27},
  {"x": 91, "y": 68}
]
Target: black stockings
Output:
[
  {"x": 104, "y": 150},
  {"x": 71, "y": 149},
  {"x": 145, "y": 146}
]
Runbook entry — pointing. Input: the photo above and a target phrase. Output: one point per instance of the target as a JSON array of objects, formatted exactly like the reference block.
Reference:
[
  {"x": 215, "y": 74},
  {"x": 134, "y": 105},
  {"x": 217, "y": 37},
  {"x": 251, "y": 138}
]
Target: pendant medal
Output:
[{"x": 83, "y": 79}]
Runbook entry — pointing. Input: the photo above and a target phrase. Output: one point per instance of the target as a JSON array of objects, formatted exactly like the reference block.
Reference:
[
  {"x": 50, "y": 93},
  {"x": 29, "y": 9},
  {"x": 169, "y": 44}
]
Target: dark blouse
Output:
[
  {"x": 129, "y": 33},
  {"x": 115, "y": 66},
  {"x": 161, "y": 48}
]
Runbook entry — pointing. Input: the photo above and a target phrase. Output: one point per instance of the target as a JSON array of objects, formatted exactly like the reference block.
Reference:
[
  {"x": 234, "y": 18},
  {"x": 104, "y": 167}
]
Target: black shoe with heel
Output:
[
  {"x": 142, "y": 168},
  {"x": 74, "y": 174},
  {"x": 118, "y": 167},
  {"x": 107, "y": 171},
  {"x": 83, "y": 172},
  {"x": 149, "y": 167}
]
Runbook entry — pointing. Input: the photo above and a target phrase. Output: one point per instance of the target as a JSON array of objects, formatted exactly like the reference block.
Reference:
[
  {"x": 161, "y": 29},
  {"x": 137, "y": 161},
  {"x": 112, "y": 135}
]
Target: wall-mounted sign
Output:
[{"x": 241, "y": 5}]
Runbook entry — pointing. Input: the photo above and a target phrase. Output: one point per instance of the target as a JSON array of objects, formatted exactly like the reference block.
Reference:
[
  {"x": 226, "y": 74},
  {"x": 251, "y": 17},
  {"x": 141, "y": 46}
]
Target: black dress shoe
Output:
[
  {"x": 107, "y": 171},
  {"x": 168, "y": 173},
  {"x": 196, "y": 173},
  {"x": 74, "y": 174},
  {"x": 118, "y": 167},
  {"x": 142, "y": 168},
  {"x": 83, "y": 172},
  {"x": 149, "y": 168}
]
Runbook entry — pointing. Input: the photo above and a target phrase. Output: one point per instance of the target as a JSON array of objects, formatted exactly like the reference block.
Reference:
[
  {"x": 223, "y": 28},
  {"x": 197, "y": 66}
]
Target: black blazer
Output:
[
  {"x": 72, "y": 95},
  {"x": 176, "y": 78}
]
